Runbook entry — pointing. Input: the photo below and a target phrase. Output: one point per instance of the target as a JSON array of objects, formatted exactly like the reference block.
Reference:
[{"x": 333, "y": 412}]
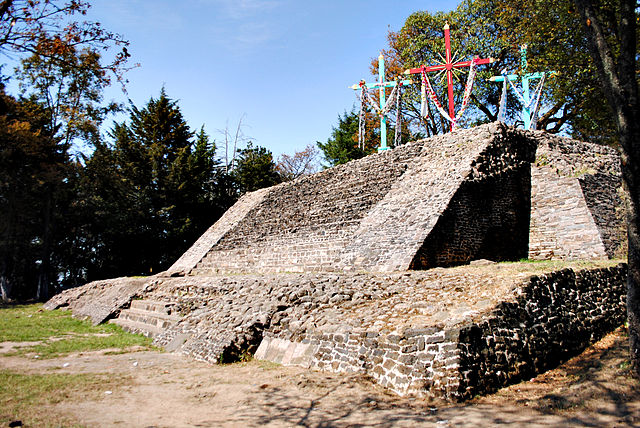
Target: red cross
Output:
[{"x": 448, "y": 65}]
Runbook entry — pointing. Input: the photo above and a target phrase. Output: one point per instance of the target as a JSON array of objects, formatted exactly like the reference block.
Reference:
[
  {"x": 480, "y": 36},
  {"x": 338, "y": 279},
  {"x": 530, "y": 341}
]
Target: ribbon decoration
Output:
[{"x": 465, "y": 99}]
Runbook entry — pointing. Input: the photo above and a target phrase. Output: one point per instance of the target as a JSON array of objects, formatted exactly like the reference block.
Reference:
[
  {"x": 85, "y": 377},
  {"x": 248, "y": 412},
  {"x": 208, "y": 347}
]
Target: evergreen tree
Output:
[
  {"x": 30, "y": 165},
  {"x": 150, "y": 194},
  {"x": 342, "y": 146},
  {"x": 255, "y": 169}
]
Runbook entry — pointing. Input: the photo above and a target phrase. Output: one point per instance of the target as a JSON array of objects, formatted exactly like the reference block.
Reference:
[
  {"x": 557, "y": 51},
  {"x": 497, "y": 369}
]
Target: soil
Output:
[{"x": 169, "y": 390}]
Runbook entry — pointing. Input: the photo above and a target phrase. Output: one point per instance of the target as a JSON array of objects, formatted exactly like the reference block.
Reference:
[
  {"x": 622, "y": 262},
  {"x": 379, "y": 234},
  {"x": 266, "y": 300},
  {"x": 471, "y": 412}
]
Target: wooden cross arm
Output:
[
  {"x": 512, "y": 77},
  {"x": 476, "y": 61},
  {"x": 516, "y": 77},
  {"x": 384, "y": 84}
]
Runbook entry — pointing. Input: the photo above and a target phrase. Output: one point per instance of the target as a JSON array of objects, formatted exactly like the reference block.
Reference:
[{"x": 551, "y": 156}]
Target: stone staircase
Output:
[{"x": 147, "y": 317}]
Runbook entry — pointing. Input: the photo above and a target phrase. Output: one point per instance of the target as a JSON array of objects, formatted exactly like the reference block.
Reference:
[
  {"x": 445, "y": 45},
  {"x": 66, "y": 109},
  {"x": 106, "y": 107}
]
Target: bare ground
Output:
[{"x": 169, "y": 390}]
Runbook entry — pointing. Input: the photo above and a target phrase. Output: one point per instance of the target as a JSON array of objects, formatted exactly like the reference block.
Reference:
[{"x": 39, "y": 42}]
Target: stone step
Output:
[
  {"x": 137, "y": 327},
  {"x": 152, "y": 306},
  {"x": 151, "y": 318}
]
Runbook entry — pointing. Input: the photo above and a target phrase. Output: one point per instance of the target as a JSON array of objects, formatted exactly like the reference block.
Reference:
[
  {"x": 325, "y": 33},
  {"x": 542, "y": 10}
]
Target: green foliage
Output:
[
  {"x": 151, "y": 194},
  {"x": 32, "y": 168},
  {"x": 50, "y": 28},
  {"x": 573, "y": 100},
  {"x": 556, "y": 42},
  {"x": 421, "y": 42},
  {"x": 342, "y": 146},
  {"x": 255, "y": 169}
]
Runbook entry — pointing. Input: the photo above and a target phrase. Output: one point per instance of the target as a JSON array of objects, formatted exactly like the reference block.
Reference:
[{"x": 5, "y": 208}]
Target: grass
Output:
[
  {"x": 60, "y": 333},
  {"x": 540, "y": 266},
  {"x": 28, "y": 397}
]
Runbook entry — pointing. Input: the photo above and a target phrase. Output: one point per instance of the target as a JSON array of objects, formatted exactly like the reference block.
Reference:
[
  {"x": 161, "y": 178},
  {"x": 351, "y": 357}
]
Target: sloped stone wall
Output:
[
  {"x": 576, "y": 207},
  {"x": 486, "y": 219},
  {"x": 99, "y": 300},
  {"x": 562, "y": 226},
  {"x": 490, "y": 192},
  {"x": 303, "y": 225},
  {"x": 212, "y": 236},
  {"x": 374, "y": 214}
]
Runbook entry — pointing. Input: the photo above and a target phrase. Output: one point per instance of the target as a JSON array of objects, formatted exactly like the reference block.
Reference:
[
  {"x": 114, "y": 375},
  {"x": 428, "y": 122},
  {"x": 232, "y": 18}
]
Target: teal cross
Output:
[
  {"x": 382, "y": 85},
  {"x": 526, "y": 78}
]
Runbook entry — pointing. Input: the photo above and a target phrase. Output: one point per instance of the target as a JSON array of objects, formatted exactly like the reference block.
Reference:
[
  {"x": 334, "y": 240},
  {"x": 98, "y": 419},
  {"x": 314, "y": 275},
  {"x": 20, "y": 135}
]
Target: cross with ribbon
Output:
[
  {"x": 385, "y": 106},
  {"x": 449, "y": 66},
  {"x": 530, "y": 101}
]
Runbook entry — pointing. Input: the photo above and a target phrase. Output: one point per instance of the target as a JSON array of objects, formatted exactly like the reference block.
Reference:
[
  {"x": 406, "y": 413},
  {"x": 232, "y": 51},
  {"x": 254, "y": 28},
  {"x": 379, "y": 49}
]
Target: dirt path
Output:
[{"x": 169, "y": 390}]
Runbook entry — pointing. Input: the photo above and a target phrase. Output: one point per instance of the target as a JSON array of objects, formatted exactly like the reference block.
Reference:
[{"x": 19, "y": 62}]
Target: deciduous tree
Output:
[
  {"x": 51, "y": 29},
  {"x": 301, "y": 163},
  {"x": 612, "y": 36}
]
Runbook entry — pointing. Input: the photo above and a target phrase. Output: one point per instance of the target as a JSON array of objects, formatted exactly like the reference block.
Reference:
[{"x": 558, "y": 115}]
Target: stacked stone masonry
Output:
[
  {"x": 577, "y": 210},
  {"x": 488, "y": 192},
  {"x": 442, "y": 333},
  {"x": 340, "y": 270}
]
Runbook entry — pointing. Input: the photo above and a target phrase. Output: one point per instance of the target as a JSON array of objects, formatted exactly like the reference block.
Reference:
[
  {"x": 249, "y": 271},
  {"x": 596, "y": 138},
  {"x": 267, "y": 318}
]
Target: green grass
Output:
[
  {"x": 28, "y": 397},
  {"x": 60, "y": 333}
]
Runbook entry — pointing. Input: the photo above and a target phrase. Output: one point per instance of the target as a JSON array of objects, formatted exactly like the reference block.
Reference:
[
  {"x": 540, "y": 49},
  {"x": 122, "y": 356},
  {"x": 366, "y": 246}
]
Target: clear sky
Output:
[{"x": 284, "y": 64}]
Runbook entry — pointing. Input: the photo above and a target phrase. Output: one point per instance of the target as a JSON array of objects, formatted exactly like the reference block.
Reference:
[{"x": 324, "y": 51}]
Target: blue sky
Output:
[{"x": 284, "y": 65}]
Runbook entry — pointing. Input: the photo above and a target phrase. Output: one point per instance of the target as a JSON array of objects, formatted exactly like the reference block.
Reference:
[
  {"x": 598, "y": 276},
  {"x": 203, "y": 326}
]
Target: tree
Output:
[
  {"x": 69, "y": 89},
  {"x": 62, "y": 76},
  {"x": 342, "y": 146},
  {"x": 49, "y": 28},
  {"x": 572, "y": 98},
  {"x": 150, "y": 194},
  {"x": 301, "y": 163},
  {"x": 553, "y": 31},
  {"x": 255, "y": 169},
  {"x": 612, "y": 38},
  {"x": 420, "y": 41},
  {"x": 30, "y": 161}
]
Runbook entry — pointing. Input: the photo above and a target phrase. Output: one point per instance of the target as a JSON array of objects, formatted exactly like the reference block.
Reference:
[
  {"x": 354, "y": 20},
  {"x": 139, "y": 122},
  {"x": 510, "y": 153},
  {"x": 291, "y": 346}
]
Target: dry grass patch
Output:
[{"x": 31, "y": 398}]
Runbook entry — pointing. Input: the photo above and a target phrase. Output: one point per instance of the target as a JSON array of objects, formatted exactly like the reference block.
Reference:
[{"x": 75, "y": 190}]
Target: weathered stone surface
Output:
[
  {"x": 314, "y": 272},
  {"x": 99, "y": 300},
  {"x": 490, "y": 192},
  {"x": 576, "y": 206}
]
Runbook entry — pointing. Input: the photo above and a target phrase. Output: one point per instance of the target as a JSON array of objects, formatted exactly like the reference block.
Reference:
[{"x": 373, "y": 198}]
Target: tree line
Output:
[{"x": 139, "y": 198}]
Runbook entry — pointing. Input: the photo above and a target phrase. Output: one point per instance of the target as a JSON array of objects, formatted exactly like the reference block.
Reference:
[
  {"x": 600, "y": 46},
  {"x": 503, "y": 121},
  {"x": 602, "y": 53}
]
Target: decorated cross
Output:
[
  {"x": 381, "y": 85},
  {"x": 449, "y": 67},
  {"x": 529, "y": 101}
]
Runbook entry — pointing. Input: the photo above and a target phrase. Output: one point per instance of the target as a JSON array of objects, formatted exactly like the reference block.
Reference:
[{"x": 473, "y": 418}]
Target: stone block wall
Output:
[
  {"x": 99, "y": 300},
  {"x": 577, "y": 211},
  {"x": 442, "y": 333},
  {"x": 303, "y": 225},
  {"x": 212, "y": 236},
  {"x": 486, "y": 219},
  {"x": 555, "y": 317},
  {"x": 491, "y": 192},
  {"x": 548, "y": 319}
]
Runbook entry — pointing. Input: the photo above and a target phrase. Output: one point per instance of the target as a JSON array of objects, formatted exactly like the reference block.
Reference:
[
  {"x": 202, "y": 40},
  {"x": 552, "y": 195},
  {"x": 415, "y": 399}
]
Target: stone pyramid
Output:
[{"x": 321, "y": 271}]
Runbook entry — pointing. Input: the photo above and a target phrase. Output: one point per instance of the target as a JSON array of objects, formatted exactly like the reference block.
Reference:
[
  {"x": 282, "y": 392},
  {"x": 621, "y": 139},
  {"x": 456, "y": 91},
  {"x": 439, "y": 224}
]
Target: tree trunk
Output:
[
  {"x": 5, "y": 284},
  {"x": 631, "y": 174},
  {"x": 44, "y": 279},
  {"x": 618, "y": 77}
]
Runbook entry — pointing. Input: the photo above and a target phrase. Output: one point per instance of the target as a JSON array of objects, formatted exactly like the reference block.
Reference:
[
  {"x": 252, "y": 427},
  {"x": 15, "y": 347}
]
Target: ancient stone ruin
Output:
[{"x": 352, "y": 269}]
